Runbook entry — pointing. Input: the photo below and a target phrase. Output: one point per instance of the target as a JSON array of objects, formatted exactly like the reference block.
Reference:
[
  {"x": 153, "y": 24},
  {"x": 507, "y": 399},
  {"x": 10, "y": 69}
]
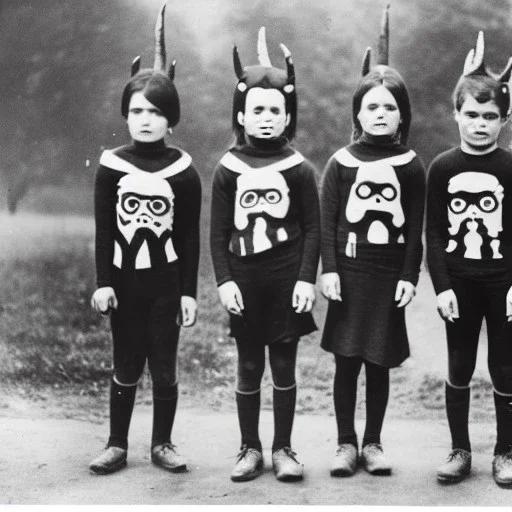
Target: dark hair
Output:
[
  {"x": 394, "y": 83},
  {"x": 483, "y": 88},
  {"x": 266, "y": 78},
  {"x": 158, "y": 89}
]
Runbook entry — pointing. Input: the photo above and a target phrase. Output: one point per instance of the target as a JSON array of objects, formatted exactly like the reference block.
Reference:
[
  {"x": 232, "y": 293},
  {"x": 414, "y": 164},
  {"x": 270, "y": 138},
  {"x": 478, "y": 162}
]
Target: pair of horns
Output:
[
  {"x": 475, "y": 65},
  {"x": 160, "y": 52},
  {"x": 264, "y": 58},
  {"x": 383, "y": 46}
]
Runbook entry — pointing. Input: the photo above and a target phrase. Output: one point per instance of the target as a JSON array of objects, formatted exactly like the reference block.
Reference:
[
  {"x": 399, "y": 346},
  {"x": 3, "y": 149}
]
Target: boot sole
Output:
[
  {"x": 342, "y": 472},
  {"x": 172, "y": 469},
  {"x": 102, "y": 470},
  {"x": 451, "y": 479},
  {"x": 379, "y": 472},
  {"x": 290, "y": 478}
]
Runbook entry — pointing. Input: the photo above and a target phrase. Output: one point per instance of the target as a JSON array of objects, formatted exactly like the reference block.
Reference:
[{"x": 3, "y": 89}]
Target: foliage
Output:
[{"x": 62, "y": 79}]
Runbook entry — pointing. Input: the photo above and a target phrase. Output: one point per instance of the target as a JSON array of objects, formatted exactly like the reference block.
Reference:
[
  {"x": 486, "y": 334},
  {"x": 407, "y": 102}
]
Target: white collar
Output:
[
  {"x": 111, "y": 160},
  {"x": 235, "y": 164},
  {"x": 344, "y": 157}
]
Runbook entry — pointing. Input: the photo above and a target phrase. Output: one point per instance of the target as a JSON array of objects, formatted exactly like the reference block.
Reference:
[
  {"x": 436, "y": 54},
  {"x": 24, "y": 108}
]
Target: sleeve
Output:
[
  {"x": 415, "y": 197},
  {"x": 189, "y": 231},
  {"x": 105, "y": 196},
  {"x": 221, "y": 224},
  {"x": 437, "y": 222},
  {"x": 330, "y": 202},
  {"x": 310, "y": 221}
]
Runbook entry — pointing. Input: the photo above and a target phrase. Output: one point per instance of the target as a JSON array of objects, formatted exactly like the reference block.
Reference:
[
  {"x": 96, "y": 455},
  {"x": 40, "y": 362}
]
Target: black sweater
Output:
[
  {"x": 373, "y": 200},
  {"x": 263, "y": 198},
  {"x": 462, "y": 186},
  {"x": 157, "y": 193}
]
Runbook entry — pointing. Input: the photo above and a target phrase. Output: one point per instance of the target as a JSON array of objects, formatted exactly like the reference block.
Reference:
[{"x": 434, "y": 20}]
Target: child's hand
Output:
[
  {"x": 330, "y": 286},
  {"x": 104, "y": 300},
  {"x": 231, "y": 297},
  {"x": 303, "y": 297},
  {"x": 447, "y": 305},
  {"x": 405, "y": 291},
  {"x": 188, "y": 311},
  {"x": 509, "y": 305}
]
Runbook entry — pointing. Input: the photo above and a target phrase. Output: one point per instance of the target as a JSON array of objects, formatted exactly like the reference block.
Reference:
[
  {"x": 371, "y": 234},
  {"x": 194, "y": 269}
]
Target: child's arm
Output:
[
  {"x": 330, "y": 204},
  {"x": 413, "y": 190},
  {"x": 437, "y": 223},
  {"x": 221, "y": 224},
  {"x": 303, "y": 296},
  {"x": 188, "y": 210},
  {"x": 105, "y": 195}
]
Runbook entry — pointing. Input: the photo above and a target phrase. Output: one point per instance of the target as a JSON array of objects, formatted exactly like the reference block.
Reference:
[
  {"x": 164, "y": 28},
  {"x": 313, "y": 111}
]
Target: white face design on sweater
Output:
[
  {"x": 260, "y": 192},
  {"x": 144, "y": 201},
  {"x": 474, "y": 212},
  {"x": 375, "y": 189}
]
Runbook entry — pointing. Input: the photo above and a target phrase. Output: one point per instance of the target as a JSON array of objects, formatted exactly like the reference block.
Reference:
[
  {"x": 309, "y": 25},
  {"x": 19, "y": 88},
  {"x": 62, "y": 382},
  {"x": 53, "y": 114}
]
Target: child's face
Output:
[
  {"x": 265, "y": 114},
  {"x": 379, "y": 114},
  {"x": 146, "y": 122},
  {"x": 479, "y": 123}
]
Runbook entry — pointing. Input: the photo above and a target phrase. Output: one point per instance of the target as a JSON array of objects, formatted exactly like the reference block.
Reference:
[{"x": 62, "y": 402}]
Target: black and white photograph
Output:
[{"x": 256, "y": 253}]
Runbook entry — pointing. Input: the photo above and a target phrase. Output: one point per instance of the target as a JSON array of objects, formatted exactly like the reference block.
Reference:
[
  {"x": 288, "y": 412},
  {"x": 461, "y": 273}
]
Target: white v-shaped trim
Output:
[
  {"x": 111, "y": 160},
  {"x": 233, "y": 163},
  {"x": 344, "y": 157}
]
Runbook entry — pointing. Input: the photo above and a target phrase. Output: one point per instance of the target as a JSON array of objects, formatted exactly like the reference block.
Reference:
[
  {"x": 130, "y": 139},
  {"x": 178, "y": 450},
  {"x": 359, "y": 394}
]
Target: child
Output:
[
  {"x": 469, "y": 238},
  {"x": 372, "y": 214},
  {"x": 147, "y": 204},
  {"x": 265, "y": 238}
]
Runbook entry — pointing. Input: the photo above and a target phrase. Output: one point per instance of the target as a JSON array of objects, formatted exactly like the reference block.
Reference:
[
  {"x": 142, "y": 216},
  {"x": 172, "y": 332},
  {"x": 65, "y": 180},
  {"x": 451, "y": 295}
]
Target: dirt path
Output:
[{"x": 44, "y": 461}]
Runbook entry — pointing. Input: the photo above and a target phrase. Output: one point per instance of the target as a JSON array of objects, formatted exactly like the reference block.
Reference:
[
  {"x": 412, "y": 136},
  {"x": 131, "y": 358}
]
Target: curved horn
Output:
[
  {"x": 383, "y": 50},
  {"x": 237, "y": 64},
  {"x": 160, "y": 54},
  {"x": 475, "y": 64},
  {"x": 366, "y": 61},
  {"x": 262, "y": 49},
  {"x": 172, "y": 70},
  {"x": 136, "y": 65},
  {"x": 505, "y": 74},
  {"x": 290, "y": 68},
  {"x": 468, "y": 63}
]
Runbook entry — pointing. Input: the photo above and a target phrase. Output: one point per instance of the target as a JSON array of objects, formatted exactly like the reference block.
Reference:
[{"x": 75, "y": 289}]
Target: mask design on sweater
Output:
[
  {"x": 475, "y": 215},
  {"x": 262, "y": 199},
  {"x": 374, "y": 206},
  {"x": 145, "y": 213}
]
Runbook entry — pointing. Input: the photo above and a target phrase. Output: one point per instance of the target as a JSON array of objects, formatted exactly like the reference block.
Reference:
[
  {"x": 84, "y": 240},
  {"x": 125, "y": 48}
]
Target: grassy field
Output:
[{"x": 55, "y": 351}]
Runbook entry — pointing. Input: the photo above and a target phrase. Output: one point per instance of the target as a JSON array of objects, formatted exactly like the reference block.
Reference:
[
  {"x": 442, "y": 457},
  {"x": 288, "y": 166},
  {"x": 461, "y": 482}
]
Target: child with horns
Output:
[
  {"x": 469, "y": 242},
  {"x": 147, "y": 205},
  {"x": 265, "y": 241},
  {"x": 372, "y": 214}
]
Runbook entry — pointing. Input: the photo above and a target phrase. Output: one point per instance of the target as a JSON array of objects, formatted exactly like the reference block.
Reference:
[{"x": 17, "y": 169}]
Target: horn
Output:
[
  {"x": 262, "y": 49},
  {"x": 383, "y": 50},
  {"x": 505, "y": 74},
  {"x": 290, "y": 68},
  {"x": 160, "y": 55},
  {"x": 136, "y": 65},
  {"x": 239, "y": 70},
  {"x": 475, "y": 63},
  {"x": 172, "y": 70},
  {"x": 366, "y": 61}
]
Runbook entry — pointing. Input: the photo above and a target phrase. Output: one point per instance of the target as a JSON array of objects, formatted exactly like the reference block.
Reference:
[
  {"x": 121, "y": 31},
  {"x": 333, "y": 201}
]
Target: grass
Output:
[{"x": 54, "y": 349}]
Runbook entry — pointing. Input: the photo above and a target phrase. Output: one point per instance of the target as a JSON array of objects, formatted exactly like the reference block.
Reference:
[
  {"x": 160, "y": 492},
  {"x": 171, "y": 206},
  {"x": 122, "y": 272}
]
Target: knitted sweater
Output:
[
  {"x": 264, "y": 198},
  {"x": 372, "y": 209},
  {"x": 147, "y": 206},
  {"x": 469, "y": 216}
]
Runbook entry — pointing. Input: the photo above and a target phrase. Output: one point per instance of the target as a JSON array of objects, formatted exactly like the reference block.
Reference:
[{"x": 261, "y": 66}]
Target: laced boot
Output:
[
  {"x": 456, "y": 467},
  {"x": 249, "y": 465}
]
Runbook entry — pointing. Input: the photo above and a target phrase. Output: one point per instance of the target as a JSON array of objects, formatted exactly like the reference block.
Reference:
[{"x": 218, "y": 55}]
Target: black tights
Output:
[
  {"x": 251, "y": 365},
  {"x": 345, "y": 393}
]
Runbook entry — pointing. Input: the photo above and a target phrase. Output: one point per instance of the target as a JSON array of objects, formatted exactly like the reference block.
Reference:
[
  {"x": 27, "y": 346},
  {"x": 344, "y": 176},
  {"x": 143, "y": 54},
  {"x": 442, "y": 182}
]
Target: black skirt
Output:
[
  {"x": 266, "y": 281},
  {"x": 367, "y": 323}
]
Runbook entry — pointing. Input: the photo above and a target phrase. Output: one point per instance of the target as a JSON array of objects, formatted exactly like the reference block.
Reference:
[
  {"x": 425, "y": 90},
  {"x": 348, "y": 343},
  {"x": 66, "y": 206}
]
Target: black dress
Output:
[{"x": 372, "y": 216}]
